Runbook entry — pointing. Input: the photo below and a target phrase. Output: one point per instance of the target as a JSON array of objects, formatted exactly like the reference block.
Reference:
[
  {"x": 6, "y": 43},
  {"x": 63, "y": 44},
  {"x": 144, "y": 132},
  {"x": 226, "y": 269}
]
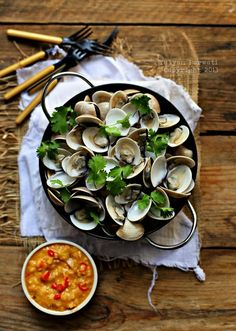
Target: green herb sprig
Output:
[
  {"x": 63, "y": 119},
  {"x": 49, "y": 148}
]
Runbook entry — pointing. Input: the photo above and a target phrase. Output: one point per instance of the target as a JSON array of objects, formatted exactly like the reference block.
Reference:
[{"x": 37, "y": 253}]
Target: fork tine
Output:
[
  {"x": 85, "y": 31},
  {"x": 108, "y": 41}
]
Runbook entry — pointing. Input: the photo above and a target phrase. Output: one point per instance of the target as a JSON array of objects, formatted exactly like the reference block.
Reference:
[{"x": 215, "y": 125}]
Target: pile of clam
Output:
[{"x": 169, "y": 173}]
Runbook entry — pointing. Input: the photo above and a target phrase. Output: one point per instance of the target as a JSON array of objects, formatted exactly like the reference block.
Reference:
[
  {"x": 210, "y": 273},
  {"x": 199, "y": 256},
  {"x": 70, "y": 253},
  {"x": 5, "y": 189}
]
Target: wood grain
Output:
[
  {"x": 215, "y": 48},
  {"x": 168, "y": 12},
  {"x": 120, "y": 302}
]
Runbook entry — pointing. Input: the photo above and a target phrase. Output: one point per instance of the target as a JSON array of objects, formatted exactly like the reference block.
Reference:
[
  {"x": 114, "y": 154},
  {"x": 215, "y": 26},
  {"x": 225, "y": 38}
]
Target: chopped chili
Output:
[
  {"x": 51, "y": 252},
  {"x": 83, "y": 286},
  {"x": 45, "y": 276},
  {"x": 57, "y": 296}
]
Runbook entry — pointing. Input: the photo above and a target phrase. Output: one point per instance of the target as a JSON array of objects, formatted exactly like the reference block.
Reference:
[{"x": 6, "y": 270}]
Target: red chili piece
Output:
[
  {"x": 51, "y": 252},
  {"x": 57, "y": 296},
  {"x": 83, "y": 267},
  {"x": 66, "y": 282},
  {"x": 60, "y": 288},
  {"x": 45, "y": 276},
  {"x": 54, "y": 286},
  {"x": 83, "y": 286}
]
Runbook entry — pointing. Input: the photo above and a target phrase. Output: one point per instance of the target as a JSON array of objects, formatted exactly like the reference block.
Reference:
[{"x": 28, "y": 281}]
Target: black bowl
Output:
[{"x": 165, "y": 105}]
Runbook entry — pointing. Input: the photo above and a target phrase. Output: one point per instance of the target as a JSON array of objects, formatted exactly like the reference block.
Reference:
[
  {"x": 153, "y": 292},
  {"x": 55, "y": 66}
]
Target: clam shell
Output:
[
  {"x": 158, "y": 170},
  {"x": 147, "y": 173},
  {"x": 74, "y": 138},
  {"x": 129, "y": 108},
  {"x": 55, "y": 164},
  {"x": 130, "y": 231},
  {"x": 89, "y": 137},
  {"x": 85, "y": 108},
  {"x": 115, "y": 210},
  {"x": 176, "y": 160},
  {"x": 118, "y": 99},
  {"x": 82, "y": 223},
  {"x": 61, "y": 176},
  {"x": 79, "y": 200},
  {"x": 127, "y": 151},
  {"x": 114, "y": 115},
  {"x": 135, "y": 213},
  {"x": 150, "y": 122},
  {"x": 129, "y": 194},
  {"x": 76, "y": 165},
  {"x": 54, "y": 198},
  {"x": 155, "y": 212},
  {"x": 178, "y": 136},
  {"x": 88, "y": 120},
  {"x": 101, "y": 96},
  {"x": 110, "y": 164},
  {"x": 179, "y": 178},
  {"x": 168, "y": 120}
]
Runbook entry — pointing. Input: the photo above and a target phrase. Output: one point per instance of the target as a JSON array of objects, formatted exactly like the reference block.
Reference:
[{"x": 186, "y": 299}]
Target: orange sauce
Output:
[{"x": 59, "y": 277}]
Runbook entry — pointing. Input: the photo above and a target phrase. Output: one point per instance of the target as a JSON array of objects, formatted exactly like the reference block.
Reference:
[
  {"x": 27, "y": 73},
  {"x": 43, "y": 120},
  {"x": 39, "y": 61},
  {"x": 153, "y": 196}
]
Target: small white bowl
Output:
[{"x": 54, "y": 312}]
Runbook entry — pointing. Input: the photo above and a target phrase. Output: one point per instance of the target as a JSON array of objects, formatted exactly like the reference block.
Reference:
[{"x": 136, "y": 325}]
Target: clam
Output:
[
  {"x": 155, "y": 211},
  {"x": 153, "y": 103},
  {"x": 129, "y": 194},
  {"x": 131, "y": 110},
  {"x": 147, "y": 173},
  {"x": 59, "y": 180},
  {"x": 74, "y": 137},
  {"x": 140, "y": 137},
  {"x": 150, "y": 121},
  {"x": 110, "y": 164},
  {"x": 178, "y": 136},
  {"x": 113, "y": 116},
  {"x": 176, "y": 160},
  {"x": 95, "y": 140},
  {"x": 130, "y": 231},
  {"x": 136, "y": 214},
  {"x": 184, "y": 151},
  {"x": 127, "y": 151},
  {"x": 102, "y": 99},
  {"x": 115, "y": 210},
  {"x": 118, "y": 99},
  {"x": 168, "y": 120},
  {"x": 76, "y": 165},
  {"x": 86, "y": 108},
  {"x": 55, "y": 197},
  {"x": 55, "y": 164},
  {"x": 178, "y": 180},
  {"x": 158, "y": 170},
  {"x": 85, "y": 207},
  {"x": 88, "y": 120}
]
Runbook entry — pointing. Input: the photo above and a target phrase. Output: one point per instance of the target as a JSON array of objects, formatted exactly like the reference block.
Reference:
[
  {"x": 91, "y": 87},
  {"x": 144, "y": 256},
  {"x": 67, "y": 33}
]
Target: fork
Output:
[{"x": 82, "y": 33}]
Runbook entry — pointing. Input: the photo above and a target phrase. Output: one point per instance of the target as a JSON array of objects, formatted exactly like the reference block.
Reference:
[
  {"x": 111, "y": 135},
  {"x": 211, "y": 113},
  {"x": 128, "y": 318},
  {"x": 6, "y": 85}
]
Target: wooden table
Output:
[{"x": 121, "y": 299}]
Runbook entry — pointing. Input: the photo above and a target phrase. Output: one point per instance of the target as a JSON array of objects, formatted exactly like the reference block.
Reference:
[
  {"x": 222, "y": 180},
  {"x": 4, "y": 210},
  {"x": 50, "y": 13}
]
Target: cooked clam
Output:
[
  {"x": 158, "y": 170},
  {"x": 118, "y": 99},
  {"x": 130, "y": 231},
  {"x": 95, "y": 140},
  {"x": 115, "y": 210},
  {"x": 135, "y": 213},
  {"x": 168, "y": 120},
  {"x": 178, "y": 136},
  {"x": 86, "y": 108}
]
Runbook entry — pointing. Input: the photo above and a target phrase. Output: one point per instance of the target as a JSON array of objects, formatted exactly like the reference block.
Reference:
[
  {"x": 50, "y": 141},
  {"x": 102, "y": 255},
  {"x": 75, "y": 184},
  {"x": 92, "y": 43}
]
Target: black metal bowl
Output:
[{"x": 166, "y": 107}]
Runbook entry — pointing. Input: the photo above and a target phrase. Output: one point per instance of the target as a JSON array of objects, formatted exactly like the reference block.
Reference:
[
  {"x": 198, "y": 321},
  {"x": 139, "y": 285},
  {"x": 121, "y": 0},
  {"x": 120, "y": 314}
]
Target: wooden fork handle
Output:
[
  {"x": 22, "y": 116},
  {"x": 18, "y": 89},
  {"x": 23, "y": 63},
  {"x": 35, "y": 36}
]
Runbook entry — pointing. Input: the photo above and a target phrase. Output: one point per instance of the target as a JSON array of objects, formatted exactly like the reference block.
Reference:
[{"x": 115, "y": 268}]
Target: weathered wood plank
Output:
[
  {"x": 146, "y": 46},
  {"x": 171, "y": 12},
  {"x": 121, "y": 303}
]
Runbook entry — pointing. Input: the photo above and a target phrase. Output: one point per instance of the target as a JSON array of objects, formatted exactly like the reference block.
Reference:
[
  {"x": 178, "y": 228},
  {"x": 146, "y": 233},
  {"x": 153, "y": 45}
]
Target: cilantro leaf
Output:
[
  {"x": 156, "y": 143},
  {"x": 124, "y": 171},
  {"x": 166, "y": 211},
  {"x": 65, "y": 195},
  {"x": 49, "y": 148},
  {"x": 93, "y": 216},
  {"x": 63, "y": 119},
  {"x": 116, "y": 186},
  {"x": 97, "y": 175},
  {"x": 57, "y": 181},
  {"x": 97, "y": 163},
  {"x": 158, "y": 198},
  {"x": 125, "y": 121},
  {"x": 110, "y": 131},
  {"x": 141, "y": 103},
  {"x": 143, "y": 202}
]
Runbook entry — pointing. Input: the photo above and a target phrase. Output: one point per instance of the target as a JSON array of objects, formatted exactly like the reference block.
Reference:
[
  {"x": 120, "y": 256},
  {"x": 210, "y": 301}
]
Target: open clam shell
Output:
[
  {"x": 60, "y": 179},
  {"x": 95, "y": 140},
  {"x": 86, "y": 108},
  {"x": 136, "y": 214},
  {"x": 168, "y": 120},
  {"x": 115, "y": 210},
  {"x": 130, "y": 109},
  {"x": 150, "y": 121},
  {"x": 113, "y": 116},
  {"x": 178, "y": 136},
  {"x": 130, "y": 231},
  {"x": 74, "y": 137},
  {"x": 129, "y": 194},
  {"x": 155, "y": 211},
  {"x": 158, "y": 170},
  {"x": 55, "y": 164},
  {"x": 118, "y": 99},
  {"x": 127, "y": 151}
]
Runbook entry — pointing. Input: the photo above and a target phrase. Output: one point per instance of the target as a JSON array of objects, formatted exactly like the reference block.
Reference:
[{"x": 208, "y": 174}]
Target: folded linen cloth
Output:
[{"x": 38, "y": 217}]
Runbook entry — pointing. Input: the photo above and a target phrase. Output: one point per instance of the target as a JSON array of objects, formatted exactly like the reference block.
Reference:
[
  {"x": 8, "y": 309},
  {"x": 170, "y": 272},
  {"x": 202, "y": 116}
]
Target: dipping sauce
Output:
[{"x": 59, "y": 277}]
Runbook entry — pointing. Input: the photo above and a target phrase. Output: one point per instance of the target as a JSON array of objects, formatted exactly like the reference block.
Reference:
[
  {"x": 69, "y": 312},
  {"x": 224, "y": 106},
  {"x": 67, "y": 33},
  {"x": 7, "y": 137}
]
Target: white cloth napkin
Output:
[{"x": 38, "y": 217}]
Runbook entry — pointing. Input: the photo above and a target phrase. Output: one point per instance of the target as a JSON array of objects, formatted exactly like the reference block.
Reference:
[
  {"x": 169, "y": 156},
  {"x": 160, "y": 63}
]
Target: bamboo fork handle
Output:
[
  {"x": 18, "y": 89},
  {"x": 34, "y": 36},
  {"x": 23, "y": 63},
  {"x": 22, "y": 116}
]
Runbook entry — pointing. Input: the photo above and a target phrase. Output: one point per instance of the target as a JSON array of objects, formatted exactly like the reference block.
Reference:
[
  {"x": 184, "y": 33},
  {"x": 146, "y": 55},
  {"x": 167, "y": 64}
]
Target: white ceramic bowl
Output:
[{"x": 55, "y": 312}]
